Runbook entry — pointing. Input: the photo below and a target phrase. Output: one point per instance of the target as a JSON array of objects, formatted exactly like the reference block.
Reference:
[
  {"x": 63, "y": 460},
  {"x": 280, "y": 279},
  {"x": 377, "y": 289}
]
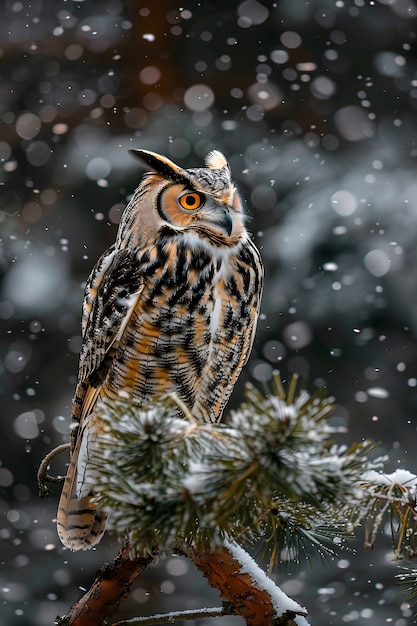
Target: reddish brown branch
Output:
[
  {"x": 252, "y": 596},
  {"x": 110, "y": 587},
  {"x": 247, "y": 599}
]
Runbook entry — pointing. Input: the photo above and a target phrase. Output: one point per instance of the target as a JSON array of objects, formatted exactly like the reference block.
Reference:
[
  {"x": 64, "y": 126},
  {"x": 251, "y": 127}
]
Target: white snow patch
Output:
[
  {"x": 399, "y": 477},
  {"x": 195, "y": 479},
  {"x": 280, "y": 601}
]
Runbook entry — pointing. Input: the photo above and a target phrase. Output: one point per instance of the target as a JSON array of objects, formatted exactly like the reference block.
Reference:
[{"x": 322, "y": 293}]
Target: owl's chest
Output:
[
  {"x": 186, "y": 304},
  {"x": 188, "y": 324},
  {"x": 193, "y": 303},
  {"x": 172, "y": 332}
]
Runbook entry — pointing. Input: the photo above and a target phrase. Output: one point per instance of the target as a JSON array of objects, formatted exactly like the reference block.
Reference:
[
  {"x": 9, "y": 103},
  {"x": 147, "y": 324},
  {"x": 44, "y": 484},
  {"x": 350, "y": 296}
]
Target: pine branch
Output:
[
  {"x": 249, "y": 592},
  {"x": 310, "y": 531},
  {"x": 395, "y": 494},
  {"x": 164, "y": 477},
  {"x": 273, "y": 474},
  {"x": 408, "y": 580},
  {"x": 110, "y": 587}
]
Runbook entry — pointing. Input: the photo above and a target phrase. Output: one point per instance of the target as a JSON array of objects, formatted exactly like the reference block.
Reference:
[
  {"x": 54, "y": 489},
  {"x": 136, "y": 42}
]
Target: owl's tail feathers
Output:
[{"x": 80, "y": 522}]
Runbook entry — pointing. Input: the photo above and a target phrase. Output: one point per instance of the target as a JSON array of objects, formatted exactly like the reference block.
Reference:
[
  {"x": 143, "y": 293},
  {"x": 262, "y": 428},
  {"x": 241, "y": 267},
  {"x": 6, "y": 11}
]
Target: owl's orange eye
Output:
[{"x": 191, "y": 201}]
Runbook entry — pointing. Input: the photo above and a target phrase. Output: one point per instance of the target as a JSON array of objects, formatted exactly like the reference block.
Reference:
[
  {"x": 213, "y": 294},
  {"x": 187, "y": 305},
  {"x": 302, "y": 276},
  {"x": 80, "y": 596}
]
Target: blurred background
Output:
[{"x": 314, "y": 103}]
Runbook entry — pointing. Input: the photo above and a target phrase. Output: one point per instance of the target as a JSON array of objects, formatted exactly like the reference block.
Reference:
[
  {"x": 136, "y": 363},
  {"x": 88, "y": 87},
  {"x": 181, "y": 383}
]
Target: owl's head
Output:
[{"x": 199, "y": 202}]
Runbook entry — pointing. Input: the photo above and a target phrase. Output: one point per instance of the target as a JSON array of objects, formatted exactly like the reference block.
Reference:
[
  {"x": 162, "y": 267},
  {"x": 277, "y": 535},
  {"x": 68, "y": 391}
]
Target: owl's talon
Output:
[{"x": 43, "y": 476}]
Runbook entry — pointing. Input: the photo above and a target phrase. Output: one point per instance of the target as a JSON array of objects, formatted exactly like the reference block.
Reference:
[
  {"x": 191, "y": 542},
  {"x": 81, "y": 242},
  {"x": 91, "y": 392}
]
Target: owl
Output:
[{"x": 170, "y": 308}]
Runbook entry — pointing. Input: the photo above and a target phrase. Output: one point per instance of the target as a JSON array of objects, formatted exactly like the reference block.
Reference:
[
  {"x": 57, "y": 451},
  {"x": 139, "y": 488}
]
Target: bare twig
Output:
[
  {"x": 369, "y": 543},
  {"x": 43, "y": 476},
  {"x": 174, "y": 616}
]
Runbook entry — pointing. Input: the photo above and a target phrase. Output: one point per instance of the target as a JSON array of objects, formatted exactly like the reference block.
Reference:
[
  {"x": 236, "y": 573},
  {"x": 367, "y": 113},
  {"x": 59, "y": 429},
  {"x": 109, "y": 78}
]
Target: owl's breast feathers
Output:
[{"x": 175, "y": 317}]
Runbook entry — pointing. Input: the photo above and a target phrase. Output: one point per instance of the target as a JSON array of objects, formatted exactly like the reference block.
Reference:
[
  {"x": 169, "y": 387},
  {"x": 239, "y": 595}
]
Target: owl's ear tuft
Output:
[
  {"x": 163, "y": 165},
  {"x": 215, "y": 160}
]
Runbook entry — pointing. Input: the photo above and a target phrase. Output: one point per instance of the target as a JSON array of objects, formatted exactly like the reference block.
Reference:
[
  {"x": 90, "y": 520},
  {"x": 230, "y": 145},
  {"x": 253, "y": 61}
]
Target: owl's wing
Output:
[
  {"x": 111, "y": 295},
  {"x": 112, "y": 290}
]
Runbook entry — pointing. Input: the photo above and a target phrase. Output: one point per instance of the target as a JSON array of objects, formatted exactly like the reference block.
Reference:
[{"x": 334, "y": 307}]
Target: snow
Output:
[
  {"x": 401, "y": 477},
  {"x": 343, "y": 202},
  {"x": 33, "y": 282},
  {"x": 194, "y": 481},
  {"x": 377, "y": 263},
  {"x": 280, "y": 601},
  {"x": 378, "y": 392},
  {"x": 173, "y": 616}
]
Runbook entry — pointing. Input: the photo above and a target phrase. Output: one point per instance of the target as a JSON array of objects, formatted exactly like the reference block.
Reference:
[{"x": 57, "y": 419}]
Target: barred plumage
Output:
[{"x": 171, "y": 307}]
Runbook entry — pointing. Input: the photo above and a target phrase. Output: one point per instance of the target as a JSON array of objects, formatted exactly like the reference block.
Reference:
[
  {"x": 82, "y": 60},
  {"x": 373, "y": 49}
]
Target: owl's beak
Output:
[
  {"x": 227, "y": 222},
  {"x": 217, "y": 216},
  {"x": 220, "y": 218}
]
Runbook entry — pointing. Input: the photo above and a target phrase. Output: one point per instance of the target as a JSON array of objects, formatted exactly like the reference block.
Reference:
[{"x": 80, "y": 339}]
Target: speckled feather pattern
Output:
[{"x": 171, "y": 307}]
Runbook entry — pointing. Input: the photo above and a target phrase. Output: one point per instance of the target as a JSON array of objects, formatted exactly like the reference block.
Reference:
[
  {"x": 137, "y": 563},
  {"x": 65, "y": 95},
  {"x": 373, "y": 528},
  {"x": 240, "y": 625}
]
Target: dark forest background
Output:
[{"x": 314, "y": 104}]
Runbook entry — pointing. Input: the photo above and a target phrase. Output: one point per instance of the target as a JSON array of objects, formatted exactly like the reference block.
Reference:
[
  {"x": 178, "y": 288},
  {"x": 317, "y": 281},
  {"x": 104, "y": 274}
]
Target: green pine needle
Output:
[
  {"x": 305, "y": 532},
  {"x": 408, "y": 580},
  {"x": 165, "y": 477}
]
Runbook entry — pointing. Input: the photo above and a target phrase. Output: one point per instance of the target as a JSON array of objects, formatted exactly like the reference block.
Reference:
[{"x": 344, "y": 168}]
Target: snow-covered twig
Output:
[
  {"x": 394, "y": 493},
  {"x": 280, "y": 601},
  {"x": 174, "y": 616}
]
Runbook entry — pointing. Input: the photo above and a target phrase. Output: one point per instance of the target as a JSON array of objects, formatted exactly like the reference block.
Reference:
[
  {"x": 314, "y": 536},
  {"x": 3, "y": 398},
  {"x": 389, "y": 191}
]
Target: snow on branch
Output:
[
  {"x": 280, "y": 601},
  {"x": 248, "y": 591},
  {"x": 395, "y": 494}
]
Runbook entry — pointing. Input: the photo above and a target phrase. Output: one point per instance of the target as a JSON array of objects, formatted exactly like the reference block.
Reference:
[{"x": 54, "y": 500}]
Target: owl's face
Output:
[{"x": 199, "y": 202}]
